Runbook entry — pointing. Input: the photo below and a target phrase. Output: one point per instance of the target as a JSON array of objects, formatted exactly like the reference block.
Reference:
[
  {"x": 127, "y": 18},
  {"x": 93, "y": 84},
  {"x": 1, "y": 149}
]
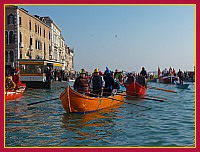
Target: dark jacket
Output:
[
  {"x": 81, "y": 84},
  {"x": 109, "y": 82}
]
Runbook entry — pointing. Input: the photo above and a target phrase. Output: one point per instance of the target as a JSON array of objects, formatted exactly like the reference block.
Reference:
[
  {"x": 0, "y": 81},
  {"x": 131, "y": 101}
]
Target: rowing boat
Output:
[
  {"x": 167, "y": 79},
  {"x": 135, "y": 89},
  {"x": 14, "y": 94},
  {"x": 74, "y": 102}
]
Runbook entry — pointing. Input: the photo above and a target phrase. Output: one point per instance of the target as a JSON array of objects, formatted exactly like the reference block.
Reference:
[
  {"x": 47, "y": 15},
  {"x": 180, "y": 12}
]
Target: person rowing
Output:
[
  {"x": 81, "y": 83},
  {"x": 109, "y": 83},
  {"x": 96, "y": 84}
]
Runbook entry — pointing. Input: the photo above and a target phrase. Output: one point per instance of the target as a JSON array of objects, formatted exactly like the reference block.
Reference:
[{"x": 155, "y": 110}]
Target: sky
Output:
[{"x": 126, "y": 37}]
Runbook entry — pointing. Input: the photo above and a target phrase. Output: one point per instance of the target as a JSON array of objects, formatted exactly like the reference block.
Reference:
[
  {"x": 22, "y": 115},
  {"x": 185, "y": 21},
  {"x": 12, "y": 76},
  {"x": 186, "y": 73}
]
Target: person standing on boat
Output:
[
  {"x": 142, "y": 80},
  {"x": 109, "y": 83},
  {"x": 142, "y": 77},
  {"x": 81, "y": 83},
  {"x": 16, "y": 79},
  {"x": 96, "y": 84},
  {"x": 180, "y": 76},
  {"x": 143, "y": 72},
  {"x": 130, "y": 78}
]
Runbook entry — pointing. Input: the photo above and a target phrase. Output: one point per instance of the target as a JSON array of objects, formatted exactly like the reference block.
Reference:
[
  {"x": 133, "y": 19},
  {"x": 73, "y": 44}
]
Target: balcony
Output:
[
  {"x": 31, "y": 47},
  {"x": 21, "y": 45}
]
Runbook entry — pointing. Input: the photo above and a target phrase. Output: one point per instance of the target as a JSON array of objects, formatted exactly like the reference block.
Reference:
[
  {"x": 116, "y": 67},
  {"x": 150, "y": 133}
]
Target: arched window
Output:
[
  {"x": 6, "y": 37},
  {"x": 10, "y": 19},
  {"x": 11, "y": 56}
]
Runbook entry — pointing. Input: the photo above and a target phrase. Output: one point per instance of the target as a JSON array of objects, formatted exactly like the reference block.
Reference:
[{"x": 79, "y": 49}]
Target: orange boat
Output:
[
  {"x": 135, "y": 89},
  {"x": 12, "y": 95},
  {"x": 74, "y": 102}
]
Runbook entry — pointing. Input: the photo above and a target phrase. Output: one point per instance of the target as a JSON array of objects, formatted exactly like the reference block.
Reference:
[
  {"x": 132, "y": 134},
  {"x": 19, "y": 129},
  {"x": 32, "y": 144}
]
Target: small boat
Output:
[
  {"x": 74, "y": 102},
  {"x": 12, "y": 95},
  {"x": 167, "y": 79},
  {"x": 135, "y": 89},
  {"x": 181, "y": 86}
]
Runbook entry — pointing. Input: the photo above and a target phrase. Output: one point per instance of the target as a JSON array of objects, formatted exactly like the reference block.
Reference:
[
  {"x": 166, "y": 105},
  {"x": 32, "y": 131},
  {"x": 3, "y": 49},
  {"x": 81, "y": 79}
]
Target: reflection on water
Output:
[
  {"x": 169, "y": 123},
  {"x": 82, "y": 125}
]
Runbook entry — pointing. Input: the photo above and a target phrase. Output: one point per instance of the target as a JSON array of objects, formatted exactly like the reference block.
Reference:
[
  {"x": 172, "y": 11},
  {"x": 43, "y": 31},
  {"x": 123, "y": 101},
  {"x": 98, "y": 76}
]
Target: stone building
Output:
[
  {"x": 26, "y": 36},
  {"x": 33, "y": 37}
]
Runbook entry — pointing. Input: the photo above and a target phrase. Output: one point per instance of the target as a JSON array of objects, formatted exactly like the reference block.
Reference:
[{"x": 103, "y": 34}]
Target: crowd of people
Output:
[
  {"x": 57, "y": 74},
  {"x": 182, "y": 76},
  {"x": 104, "y": 84}
]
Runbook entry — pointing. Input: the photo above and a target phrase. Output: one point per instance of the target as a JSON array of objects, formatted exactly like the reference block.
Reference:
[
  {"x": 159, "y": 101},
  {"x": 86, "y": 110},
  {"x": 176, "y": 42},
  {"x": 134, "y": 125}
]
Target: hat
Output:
[
  {"x": 107, "y": 70},
  {"x": 96, "y": 70},
  {"x": 82, "y": 71}
]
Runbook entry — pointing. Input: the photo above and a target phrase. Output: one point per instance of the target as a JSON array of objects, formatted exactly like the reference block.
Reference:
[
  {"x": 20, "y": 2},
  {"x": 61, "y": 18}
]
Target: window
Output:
[
  {"x": 35, "y": 28},
  {"x": 20, "y": 37},
  {"x": 20, "y": 54},
  {"x": 29, "y": 25},
  {"x": 10, "y": 19},
  {"x": 31, "y": 41},
  {"x": 40, "y": 31},
  {"x": 49, "y": 35},
  {"x": 40, "y": 45},
  {"x": 6, "y": 56},
  {"x": 11, "y": 37},
  {"x": 44, "y": 47},
  {"x": 44, "y": 51},
  {"x": 31, "y": 68},
  {"x": 11, "y": 56},
  {"x": 44, "y": 33},
  {"x": 36, "y": 44},
  {"x": 6, "y": 37},
  {"x": 20, "y": 21}
]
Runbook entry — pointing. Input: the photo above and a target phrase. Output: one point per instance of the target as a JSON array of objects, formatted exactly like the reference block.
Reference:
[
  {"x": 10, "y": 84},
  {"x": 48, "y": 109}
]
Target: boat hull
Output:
[
  {"x": 12, "y": 95},
  {"x": 74, "y": 102},
  {"x": 167, "y": 79},
  {"x": 135, "y": 89},
  {"x": 181, "y": 86}
]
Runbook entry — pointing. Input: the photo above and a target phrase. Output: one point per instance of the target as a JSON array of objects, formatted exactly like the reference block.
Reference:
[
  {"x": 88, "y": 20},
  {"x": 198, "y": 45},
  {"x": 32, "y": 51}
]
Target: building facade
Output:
[{"x": 32, "y": 37}]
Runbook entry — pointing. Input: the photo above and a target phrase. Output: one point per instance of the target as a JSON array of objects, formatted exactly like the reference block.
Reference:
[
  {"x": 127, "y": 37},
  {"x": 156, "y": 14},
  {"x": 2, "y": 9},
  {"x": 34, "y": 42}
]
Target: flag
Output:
[{"x": 158, "y": 72}]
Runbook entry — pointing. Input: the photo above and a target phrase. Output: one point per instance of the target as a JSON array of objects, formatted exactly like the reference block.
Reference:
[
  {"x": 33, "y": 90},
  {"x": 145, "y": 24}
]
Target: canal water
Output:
[{"x": 170, "y": 123}]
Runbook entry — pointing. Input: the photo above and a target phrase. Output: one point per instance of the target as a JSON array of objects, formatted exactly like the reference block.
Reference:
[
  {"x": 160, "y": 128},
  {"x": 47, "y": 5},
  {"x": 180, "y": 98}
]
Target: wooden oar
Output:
[
  {"x": 153, "y": 97},
  {"x": 135, "y": 97},
  {"x": 125, "y": 101},
  {"x": 150, "y": 87},
  {"x": 42, "y": 101}
]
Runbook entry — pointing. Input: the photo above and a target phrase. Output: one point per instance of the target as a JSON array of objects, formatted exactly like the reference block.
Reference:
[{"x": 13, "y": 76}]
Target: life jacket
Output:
[{"x": 97, "y": 82}]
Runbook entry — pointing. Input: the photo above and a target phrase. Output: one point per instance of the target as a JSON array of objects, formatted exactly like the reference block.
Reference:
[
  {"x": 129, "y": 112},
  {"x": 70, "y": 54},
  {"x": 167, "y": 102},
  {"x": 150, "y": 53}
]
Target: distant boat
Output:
[
  {"x": 181, "y": 86},
  {"x": 167, "y": 79}
]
